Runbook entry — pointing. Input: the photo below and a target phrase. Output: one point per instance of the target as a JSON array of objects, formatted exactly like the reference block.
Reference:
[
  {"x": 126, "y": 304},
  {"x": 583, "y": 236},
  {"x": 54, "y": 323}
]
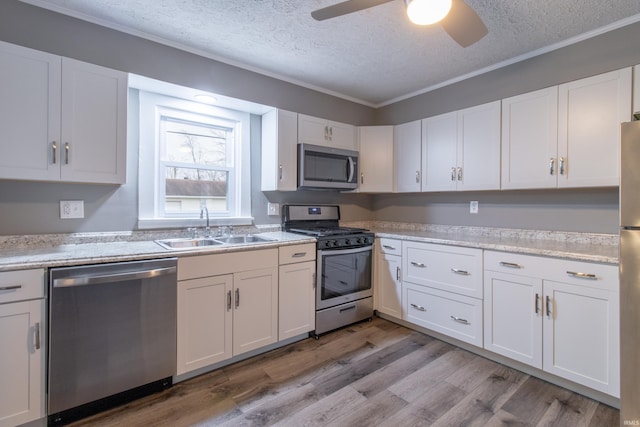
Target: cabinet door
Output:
[
  {"x": 297, "y": 299},
  {"x": 376, "y": 154},
  {"x": 255, "y": 317},
  {"x": 530, "y": 140},
  {"x": 204, "y": 322},
  {"x": 279, "y": 155},
  {"x": 22, "y": 362},
  {"x": 342, "y": 135},
  {"x": 581, "y": 335},
  {"x": 478, "y": 151},
  {"x": 312, "y": 130},
  {"x": 439, "y": 165},
  {"x": 407, "y": 157},
  {"x": 94, "y": 114},
  {"x": 590, "y": 113},
  {"x": 29, "y": 113},
  {"x": 513, "y": 317},
  {"x": 389, "y": 285}
]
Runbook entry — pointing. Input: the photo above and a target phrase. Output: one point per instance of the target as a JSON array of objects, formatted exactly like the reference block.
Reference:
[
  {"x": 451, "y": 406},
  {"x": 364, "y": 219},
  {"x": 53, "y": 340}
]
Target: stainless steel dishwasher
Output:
[{"x": 112, "y": 335}]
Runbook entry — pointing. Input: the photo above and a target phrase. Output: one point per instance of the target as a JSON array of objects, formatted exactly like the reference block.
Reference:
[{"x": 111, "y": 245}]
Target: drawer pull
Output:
[
  {"x": 418, "y": 307},
  {"x": 391, "y": 248},
  {"x": 299, "y": 255},
  {"x": 463, "y": 272},
  {"x": 10, "y": 288},
  {"x": 510, "y": 264},
  {"x": 536, "y": 304},
  {"x": 228, "y": 300},
  {"x": 548, "y": 304},
  {"x": 461, "y": 320},
  {"x": 398, "y": 274},
  {"x": 418, "y": 264},
  {"x": 37, "y": 337},
  {"x": 579, "y": 275}
]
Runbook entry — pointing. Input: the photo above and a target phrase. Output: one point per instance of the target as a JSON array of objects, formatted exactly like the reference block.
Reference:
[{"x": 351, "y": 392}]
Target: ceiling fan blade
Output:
[
  {"x": 463, "y": 24},
  {"x": 344, "y": 8}
]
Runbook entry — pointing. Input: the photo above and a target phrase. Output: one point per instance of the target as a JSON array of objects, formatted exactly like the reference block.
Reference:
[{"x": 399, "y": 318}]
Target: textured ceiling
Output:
[{"x": 373, "y": 56}]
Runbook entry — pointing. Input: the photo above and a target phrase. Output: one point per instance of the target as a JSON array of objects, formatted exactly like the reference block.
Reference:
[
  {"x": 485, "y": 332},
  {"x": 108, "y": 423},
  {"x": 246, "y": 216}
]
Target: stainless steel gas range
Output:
[{"x": 344, "y": 291}]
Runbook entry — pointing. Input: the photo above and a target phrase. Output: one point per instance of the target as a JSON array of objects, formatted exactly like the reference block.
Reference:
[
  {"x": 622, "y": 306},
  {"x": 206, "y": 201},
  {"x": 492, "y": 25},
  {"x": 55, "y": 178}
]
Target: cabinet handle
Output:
[
  {"x": 330, "y": 133},
  {"x": 453, "y": 174},
  {"x": 298, "y": 254},
  {"x": 228, "y": 300},
  {"x": 552, "y": 163},
  {"x": 314, "y": 279},
  {"x": 459, "y": 174},
  {"x": 510, "y": 264},
  {"x": 548, "y": 305},
  {"x": 67, "y": 147},
  {"x": 342, "y": 310},
  {"x": 54, "y": 147},
  {"x": 579, "y": 275},
  {"x": 418, "y": 307},
  {"x": 417, "y": 177},
  {"x": 418, "y": 264},
  {"x": 536, "y": 304},
  {"x": 398, "y": 274},
  {"x": 361, "y": 177},
  {"x": 10, "y": 288},
  {"x": 392, "y": 248},
  {"x": 562, "y": 165},
  {"x": 37, "y": 337},
  {"x": 280, "y": 172},
  {"x": 462, "y": 272},
  {"x": 237, "y": 297},
  {"x": 461, "y": 320}
]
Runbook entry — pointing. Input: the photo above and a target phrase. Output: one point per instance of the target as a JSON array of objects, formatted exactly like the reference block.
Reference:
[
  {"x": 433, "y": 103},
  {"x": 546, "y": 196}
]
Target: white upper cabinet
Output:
[
  {"x": 461, "y": 149},
  {"x": 407, "y": 157},
  {"x": 376, "y": 152},
  {"x": 61, "y": 119},
  {"x": 530, "y": 139},
  {"x": 589, "y": 115},
  {"x": 314, "y": 130},
  {"x": 279, "y": 159}
]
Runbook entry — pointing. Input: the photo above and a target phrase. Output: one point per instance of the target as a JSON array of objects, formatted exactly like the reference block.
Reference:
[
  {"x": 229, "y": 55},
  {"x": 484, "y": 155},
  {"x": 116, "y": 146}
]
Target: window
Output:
[{"x": 192, "y": 156}]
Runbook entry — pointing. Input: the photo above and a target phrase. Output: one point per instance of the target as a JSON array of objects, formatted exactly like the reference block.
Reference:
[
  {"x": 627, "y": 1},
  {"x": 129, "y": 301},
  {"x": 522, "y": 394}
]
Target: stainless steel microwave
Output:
[{"x": 327, "y": 168}]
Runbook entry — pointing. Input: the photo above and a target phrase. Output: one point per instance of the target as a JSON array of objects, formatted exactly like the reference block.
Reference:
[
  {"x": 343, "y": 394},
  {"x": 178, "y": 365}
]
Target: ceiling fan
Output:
[{"x": 457, "y": 18}]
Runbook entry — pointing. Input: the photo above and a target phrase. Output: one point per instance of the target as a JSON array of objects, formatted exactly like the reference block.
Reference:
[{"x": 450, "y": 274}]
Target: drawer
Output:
[
  {"x": 450, "y": 314},
  {"x": 297, "y": 253},
  {"x": 21, "y": 285},
  {"x": 448, "y": 268},
  {"x": 518, "y": 264},
  {"x": 390, "y": 246}
]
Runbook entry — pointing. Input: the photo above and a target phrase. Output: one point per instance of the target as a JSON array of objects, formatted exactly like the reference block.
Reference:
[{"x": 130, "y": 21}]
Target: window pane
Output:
[
  {"x": 191, "y": 189},
  {"x": 187, "y": 142}
]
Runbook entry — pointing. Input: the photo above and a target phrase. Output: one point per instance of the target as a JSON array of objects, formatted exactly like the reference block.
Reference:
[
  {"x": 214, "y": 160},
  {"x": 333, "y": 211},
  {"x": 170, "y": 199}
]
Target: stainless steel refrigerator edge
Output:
[{"x": 630, "y": 274}]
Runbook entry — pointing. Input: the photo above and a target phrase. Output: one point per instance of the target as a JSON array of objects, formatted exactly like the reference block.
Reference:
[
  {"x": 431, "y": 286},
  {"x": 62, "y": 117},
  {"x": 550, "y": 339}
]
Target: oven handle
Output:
[
  {"x": 112, "y": 278},
  {"x": 345, "y": 251}
]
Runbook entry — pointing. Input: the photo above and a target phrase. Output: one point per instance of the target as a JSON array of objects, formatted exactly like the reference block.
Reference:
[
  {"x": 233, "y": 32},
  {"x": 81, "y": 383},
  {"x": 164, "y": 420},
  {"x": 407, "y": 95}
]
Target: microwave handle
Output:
[{"x": 352, "y": 169}]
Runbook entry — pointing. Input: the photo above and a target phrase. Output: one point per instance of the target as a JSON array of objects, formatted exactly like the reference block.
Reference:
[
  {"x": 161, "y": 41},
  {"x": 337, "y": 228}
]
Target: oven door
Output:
[{"x": 343, "y": 275}]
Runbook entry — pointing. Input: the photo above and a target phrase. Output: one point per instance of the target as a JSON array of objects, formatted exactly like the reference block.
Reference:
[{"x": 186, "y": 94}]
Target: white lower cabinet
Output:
[
  {"x": 227, "y": 305},
  {"x": 388, "y": 277},
  {"x": 23, "y": 350},
  {"x": 556, "y": 315},
  {"x": 297, "y": 290}
]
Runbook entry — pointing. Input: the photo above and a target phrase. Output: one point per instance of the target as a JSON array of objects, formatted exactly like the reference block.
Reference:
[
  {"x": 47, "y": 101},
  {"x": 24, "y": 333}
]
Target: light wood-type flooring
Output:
[{"x": 370, "y": 374}]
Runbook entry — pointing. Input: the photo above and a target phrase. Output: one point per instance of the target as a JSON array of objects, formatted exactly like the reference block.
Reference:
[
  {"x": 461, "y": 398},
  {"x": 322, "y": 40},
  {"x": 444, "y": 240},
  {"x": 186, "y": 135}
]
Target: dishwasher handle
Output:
[{"x": 112, "y": 277}]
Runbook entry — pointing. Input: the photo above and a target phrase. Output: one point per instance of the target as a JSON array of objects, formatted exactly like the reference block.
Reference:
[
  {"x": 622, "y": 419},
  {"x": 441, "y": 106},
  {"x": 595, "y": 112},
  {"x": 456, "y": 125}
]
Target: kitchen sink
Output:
[
  {"x": 187, "y": 243},
  {"x": 240, "y": 240}
]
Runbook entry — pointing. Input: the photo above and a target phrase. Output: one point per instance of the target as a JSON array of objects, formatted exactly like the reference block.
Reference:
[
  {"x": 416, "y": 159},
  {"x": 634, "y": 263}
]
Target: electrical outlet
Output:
[
  {"x": 273, "y": 208},
  {"x": 71, "y": 209},
  {"x": 473, "y": 207}
]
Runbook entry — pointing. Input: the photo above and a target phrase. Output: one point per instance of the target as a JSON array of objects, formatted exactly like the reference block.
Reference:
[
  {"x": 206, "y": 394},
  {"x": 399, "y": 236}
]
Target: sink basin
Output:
[
  {"x": 240, "y": 240},
  {"x": 187, "y": 243}
]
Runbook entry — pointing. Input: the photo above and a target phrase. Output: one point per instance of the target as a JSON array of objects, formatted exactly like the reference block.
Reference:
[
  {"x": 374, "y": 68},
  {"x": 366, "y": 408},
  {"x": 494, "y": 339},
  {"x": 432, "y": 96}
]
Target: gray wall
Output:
[{"x": 31, "y": 207}]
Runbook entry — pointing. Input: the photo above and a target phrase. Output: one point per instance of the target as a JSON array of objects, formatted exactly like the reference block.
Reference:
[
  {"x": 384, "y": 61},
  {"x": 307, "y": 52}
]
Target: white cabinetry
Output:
[
  {"x": 314, "y": 130},
  {"x": 22, "y": 358},
  {"x": 227, "y": 305},
  {"x": 461, "y": 150},
  {"x": 636, "y": 89},
  {"x": 279, "y": 151},
  {"x": 297, "y": 293},
  {"x": 557, "y": 315},
  {"x": 442, "y": 289},
  {"x": 61, "y": 119},
  {"x": 388, "y": 277},
  {"x": 407, "y": 157},
  {"x": 376, "y": 154},
  {"x": 567, "y": 135}
]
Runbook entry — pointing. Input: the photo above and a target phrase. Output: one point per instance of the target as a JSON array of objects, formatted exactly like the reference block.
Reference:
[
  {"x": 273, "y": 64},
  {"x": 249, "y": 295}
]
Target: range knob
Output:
[{"x": 347, "y": 242}]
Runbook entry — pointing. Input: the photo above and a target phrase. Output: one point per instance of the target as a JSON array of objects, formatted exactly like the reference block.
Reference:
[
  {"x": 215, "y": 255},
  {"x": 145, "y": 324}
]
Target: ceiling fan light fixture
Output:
[{"x": 427, "y": 12}]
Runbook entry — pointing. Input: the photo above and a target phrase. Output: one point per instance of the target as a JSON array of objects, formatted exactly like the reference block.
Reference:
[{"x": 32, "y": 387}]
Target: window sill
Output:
[{"x": 153, "y": 223}]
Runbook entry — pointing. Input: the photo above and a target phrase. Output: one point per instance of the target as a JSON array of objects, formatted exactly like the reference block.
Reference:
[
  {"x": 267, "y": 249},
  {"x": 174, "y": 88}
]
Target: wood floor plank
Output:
[
  {"x": 372, "y": 412},
  {"x": 532, "y": 400},
  {"x": 605, "y": 416},
  {"x": 576, "y": 410}
]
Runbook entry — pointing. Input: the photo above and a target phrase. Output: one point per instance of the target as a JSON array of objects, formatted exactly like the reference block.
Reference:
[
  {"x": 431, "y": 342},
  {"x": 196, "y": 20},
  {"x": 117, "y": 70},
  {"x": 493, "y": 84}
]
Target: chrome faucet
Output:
[{"x": 207, "y": 230}]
